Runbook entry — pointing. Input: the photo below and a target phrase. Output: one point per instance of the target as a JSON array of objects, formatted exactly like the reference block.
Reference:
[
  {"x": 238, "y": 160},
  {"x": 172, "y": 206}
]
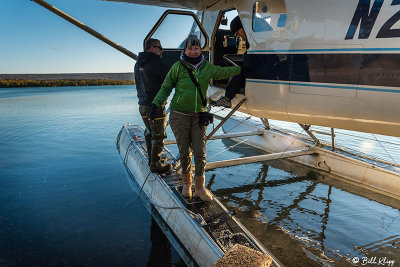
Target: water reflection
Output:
[
  {"x": 160, "y": 253},
  {"x": 62, "y": 187},
  {"x": 306, "y": 218}
]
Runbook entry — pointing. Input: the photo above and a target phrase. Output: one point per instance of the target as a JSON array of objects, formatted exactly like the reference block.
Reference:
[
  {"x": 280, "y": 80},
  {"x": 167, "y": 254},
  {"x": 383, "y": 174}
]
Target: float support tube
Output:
[
  {"x": 259, "y": 158},
  {"x": 307, "y": 129},
  {"x": 266, "y": 123},
  {"x": 223, "y": 136},
  {"x": 85, "y": 28},
  {"x": 226, "y": 118}
]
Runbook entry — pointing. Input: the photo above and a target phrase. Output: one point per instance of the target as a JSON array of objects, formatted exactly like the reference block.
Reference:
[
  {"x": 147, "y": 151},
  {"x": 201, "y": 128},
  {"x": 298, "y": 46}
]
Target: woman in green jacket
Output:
[{"x": 185, "y": 107}]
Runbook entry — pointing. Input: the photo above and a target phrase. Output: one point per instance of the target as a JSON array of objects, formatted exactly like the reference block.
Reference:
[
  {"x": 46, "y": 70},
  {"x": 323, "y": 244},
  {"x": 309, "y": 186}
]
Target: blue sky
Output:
[{"x": 34, "y": 40}]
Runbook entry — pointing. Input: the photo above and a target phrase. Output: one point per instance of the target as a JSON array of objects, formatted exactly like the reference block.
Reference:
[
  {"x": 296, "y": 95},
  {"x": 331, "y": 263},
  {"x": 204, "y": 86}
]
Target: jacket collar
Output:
[{"x": 197, "y": 66}]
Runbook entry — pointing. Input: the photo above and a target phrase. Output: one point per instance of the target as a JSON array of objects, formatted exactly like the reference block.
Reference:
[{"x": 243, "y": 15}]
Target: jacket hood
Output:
[{"x": 145, "y": 57}]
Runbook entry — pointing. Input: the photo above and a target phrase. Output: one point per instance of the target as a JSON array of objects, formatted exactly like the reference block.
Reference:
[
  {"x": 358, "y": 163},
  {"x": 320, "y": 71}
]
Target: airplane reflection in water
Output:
[
  {"x": 160, "y": 253},
  {"x": 304, "y": 217}
]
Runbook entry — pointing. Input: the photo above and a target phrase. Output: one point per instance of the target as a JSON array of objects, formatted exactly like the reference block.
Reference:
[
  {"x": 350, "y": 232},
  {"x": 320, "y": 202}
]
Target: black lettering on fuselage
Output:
[
  {"x": 365, "y": 18},
  {"x": 386, "y": 31}
]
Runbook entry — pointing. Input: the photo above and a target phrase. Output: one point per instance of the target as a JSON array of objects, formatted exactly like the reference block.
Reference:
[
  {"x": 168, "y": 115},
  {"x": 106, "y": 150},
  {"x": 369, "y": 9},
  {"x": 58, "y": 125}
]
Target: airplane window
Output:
[
  {"x": 269, "y": 15},
  {"x": 171, "y": 38},
  {"x": 199, "y": 15}
]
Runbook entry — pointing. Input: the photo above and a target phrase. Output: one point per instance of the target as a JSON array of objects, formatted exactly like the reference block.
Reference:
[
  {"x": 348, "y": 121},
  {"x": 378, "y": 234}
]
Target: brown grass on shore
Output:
[{"x": 13, "y": 83}]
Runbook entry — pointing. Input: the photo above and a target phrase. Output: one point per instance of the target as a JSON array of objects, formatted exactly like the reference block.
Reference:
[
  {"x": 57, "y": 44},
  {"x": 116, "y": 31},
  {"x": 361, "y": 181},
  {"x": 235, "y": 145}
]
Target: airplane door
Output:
[{"x": 172, "y": 29}]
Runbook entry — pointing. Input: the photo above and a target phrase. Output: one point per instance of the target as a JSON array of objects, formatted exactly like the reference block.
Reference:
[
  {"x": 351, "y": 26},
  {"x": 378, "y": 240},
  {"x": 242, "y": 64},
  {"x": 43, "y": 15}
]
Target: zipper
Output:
[{"x": 196, "y": 91}]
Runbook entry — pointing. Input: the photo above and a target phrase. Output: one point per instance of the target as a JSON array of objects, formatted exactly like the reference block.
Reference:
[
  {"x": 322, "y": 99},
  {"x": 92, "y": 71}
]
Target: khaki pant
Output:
[{"x": 191, "y": 138}]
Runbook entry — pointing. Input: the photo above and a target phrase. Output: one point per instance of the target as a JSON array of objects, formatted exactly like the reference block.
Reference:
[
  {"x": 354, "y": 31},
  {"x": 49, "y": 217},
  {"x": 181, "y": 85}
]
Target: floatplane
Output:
[{"x": 316, "y": 63}]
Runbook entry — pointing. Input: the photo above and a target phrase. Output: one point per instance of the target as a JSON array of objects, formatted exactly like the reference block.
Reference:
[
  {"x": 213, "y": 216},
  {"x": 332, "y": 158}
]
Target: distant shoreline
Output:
[
  {"x": 15, "y": 83},
  {"x": 65, "y": 79},
  {"x": 70, "y": 76}
]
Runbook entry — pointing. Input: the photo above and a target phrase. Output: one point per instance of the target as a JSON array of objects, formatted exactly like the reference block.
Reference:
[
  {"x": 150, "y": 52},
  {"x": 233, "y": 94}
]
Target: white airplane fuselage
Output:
[{"x": 328, "y": 63}]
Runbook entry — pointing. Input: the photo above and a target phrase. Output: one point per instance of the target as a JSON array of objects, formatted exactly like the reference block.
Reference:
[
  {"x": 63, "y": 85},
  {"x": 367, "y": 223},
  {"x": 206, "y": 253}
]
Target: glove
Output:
[
  {"x": 205, "y": 118},
  {"x": 152, "y": 113}
]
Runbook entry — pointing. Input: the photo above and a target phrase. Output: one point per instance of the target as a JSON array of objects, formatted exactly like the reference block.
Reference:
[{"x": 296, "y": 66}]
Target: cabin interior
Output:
[{"x": 226, "y": 48}]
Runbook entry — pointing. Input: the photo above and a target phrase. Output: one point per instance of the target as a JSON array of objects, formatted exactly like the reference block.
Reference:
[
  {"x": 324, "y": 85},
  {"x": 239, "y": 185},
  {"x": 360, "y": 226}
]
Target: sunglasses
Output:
[{"x": 158, "y": 46}]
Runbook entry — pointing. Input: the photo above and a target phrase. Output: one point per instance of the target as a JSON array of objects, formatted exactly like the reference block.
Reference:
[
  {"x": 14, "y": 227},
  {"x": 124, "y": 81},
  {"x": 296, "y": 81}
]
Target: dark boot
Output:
[
  {"x": 156, "y": 165},
  {"x": 148, "y": 146},
  {"x": 222, "y": 102}
]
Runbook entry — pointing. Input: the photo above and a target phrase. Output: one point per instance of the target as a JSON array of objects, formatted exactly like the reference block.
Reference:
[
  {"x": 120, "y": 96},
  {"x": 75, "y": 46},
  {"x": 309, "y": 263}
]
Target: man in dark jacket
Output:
[{"x": 150, "y": 72}]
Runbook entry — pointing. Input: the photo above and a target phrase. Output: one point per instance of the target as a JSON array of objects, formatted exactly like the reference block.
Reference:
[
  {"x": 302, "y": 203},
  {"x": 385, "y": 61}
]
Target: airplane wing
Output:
[{"x": 185, "y": 4}]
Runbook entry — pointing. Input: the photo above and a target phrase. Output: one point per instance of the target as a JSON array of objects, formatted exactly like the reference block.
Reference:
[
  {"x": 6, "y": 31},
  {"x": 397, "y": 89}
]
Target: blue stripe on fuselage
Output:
[
  {"x": 326, "y": 50},
  {"x": 328, "y": 86}
]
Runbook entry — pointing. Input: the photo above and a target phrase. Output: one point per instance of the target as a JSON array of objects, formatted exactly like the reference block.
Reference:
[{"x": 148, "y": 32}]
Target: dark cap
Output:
[{"x": 236, "y": 24}]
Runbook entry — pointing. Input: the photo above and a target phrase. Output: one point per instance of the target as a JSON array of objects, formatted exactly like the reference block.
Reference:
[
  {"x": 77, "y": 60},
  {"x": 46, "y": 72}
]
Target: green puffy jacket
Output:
[{"x": 186, "y": 97}]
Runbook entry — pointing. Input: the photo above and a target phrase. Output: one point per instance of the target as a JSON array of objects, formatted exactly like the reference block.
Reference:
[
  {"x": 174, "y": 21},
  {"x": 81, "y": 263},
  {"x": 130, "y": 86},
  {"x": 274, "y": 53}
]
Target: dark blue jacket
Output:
[{"x": 150, "y": 72}]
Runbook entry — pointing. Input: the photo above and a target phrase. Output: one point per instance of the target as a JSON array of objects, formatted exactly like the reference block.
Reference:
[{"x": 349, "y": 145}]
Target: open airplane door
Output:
[{"x": 172, "y": 40}]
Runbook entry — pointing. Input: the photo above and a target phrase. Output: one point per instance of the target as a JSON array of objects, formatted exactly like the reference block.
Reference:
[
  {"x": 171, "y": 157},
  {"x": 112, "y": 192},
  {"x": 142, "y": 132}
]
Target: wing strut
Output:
[
  {"x": 306, "y": 128},
  {"x": 226, "y": 118},
  {"x": 86, "y": 28}
]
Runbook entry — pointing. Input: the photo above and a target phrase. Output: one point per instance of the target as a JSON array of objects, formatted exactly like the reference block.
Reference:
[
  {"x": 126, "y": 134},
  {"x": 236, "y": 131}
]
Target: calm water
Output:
[{"x": 65, "y": 199}]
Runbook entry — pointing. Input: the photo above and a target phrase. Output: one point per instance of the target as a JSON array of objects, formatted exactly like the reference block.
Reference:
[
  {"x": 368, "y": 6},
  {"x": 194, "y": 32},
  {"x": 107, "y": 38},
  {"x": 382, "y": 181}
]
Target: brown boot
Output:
[
  {"x": 201, "y": 191},
  {"x": 187, "y": 185}
]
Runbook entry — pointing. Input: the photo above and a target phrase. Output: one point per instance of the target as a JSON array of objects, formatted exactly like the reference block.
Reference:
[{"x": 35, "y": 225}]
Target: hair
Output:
[
  {"x": 151, "y": 42},
  {"x": 192, "y": 40}
]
